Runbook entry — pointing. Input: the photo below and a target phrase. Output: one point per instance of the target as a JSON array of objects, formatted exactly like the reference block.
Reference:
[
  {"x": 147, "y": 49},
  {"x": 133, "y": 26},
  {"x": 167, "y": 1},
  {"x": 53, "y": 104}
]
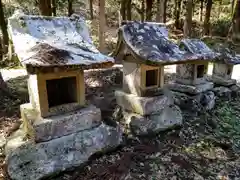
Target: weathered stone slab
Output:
[
  {"x": 31, "y": 161},
  {"x": 44, "y": 129},
  {"x": 222, "y": 82},
  {"x": 141, "y": 105},
  {"x": 143, "y": 125},
  {"x": 235, "y": 90},
  {"x": 223, "y": 92},
  {"x": 190, "y": 89},
  {"x": 204, "y": 100}
]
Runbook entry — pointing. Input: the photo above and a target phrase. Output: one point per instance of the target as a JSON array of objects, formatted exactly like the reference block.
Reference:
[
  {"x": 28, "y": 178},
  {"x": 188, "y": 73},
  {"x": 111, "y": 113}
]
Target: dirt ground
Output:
[{"x": 206, "y": 146}]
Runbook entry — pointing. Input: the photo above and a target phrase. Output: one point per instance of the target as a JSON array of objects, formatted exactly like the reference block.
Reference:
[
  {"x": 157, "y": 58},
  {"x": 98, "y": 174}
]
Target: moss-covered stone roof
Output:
[{"x": 54, "y": 42}]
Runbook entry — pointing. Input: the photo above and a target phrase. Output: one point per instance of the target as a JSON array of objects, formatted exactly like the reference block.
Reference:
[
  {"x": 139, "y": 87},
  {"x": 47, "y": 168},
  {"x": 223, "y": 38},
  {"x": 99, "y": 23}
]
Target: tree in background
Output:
[
  {"x": 188, "y": 19},
  {"x": 54, "y": 8},
  {"x": 177, "y": 13},
  {"x": 149, "y": 6},
  {"x": 206, "y": 25},
  {"x": 236, "y": 20},
  {"x": 201, "y": 10},
  {"x": 160, "y": 11},
  {"x": 70, "y": 8},
  {"x": 91, "y": 9},
  {"x": 45, "y": 7},
  {"x": 102, "y": 24},
  {"x": 3, "y": 25}
]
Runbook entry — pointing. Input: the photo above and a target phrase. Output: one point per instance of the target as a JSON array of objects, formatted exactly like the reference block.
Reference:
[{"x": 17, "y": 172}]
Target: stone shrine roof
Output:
[
  {"x": 196, "y": 46},
  {"x": 43, "y": 42},
  {"x": 149, "y": 43},
  {"x": 228, "y": 52},
  {"x": 226, "y": 55}
]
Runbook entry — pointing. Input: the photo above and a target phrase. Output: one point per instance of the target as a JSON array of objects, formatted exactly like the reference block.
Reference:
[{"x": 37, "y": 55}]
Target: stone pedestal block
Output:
[
  {"x": 223, "y": 82},
  {"x": 196, "y": 89},
  {"x": 44, "y": 129},
  {"x": 235, "y": 90},
  {"x": 168, "y": 117},
  {"x": 223, "y": 92},
  {"x": 195, "y": 103},
  {"x": 30, "y": 161},
  {"x": 141, "y": 105}
]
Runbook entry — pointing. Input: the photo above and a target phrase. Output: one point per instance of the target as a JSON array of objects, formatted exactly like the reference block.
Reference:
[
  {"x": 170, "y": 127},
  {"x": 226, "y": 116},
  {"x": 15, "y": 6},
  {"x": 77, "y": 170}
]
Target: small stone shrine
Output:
[
  {"x": 148, "y": 107},
  {"x": 59, "y": 130},
  {"x": 191, "y": 87},
  {"x": 225, "y": 86}
]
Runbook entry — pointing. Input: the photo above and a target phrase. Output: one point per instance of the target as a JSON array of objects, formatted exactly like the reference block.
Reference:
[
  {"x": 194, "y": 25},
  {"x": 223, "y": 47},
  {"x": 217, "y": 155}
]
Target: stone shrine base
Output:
[
  {"x": 195, "y": 103},
  {"x": 45, "y": 146},
  {"x": 44, "y": 129},
  {"x": 190, "y": 89},
  {"x": 33, "y": 161},
  {"x": 166, "y": 118},
  {"x": 148, "y": 115},
  {"x": 193, "y": 97}
]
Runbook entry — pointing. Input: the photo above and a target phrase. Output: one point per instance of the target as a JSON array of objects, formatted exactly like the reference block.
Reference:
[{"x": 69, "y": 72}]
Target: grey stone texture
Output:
[
  {"x": 222, "y": 82},
  {"x": 148, "y": 42},
  {"x": 144, "y": 125},
  {"x": 45, "y": 129},
  {"x": 141, "y": 105},
  {"x": 132, "y": 78},
  {"x": 30, "y": 161},
  {"x": 196, "y": 89},
  {"x": 223, "y": 92},
  {"x": 187, "y": 74},
  {"x": 235, "y": 90},
  {"x": 204, "y": 100}
]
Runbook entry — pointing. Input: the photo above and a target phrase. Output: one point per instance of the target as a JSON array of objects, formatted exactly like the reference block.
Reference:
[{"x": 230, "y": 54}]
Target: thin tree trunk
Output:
[
  {"x": 70, "y": 8},
  {"x": 207, "y": 17},
  {"x": 188, "y": 19},
  {"x": 102, "y": 23},
  {"x": 143, "y": 10},
  {"x": 201, "y": 10},
  {"x": 149, "y": 7},
  {"x": 177, "y": 13},
  {"x": 3, "y": 25},
  {"x": 160, "y": 11},
  {"x": 129, "y": 10},
  {"x": 91, "y": 9},
  {"x": 236, "y": 21},
  {"x": 233, "y": 2},
  {"x": 45, "y": 7},
  {"x": 165, "y": 11},
  {"x": 54, "y": 8},
  {"x": 123, "y": 10}
]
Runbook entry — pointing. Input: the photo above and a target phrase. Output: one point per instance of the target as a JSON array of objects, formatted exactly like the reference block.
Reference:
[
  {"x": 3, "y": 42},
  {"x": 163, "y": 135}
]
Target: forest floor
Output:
[{"x": 206, "y": 146}]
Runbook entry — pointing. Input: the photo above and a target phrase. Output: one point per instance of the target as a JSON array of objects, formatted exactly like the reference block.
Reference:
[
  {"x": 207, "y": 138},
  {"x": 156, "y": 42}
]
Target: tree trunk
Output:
[
  {"x": 233, "y": 2},
  {"x": 129, "y": 10},
  {"x": 201, "y": 10},
  {"x": 102, "y": 23},
  {"x": 54, "y": 8},
  {"x": 165, "y": 11},
  {"x": 143, "y": 10},
  {"x": 3, "y": 25},
  {"x": 188, "y": 19},
  {"x": 70, "y": 8},
  {"x": 149, "y": 7},
  {"x": 236, "y": 21},
  {"x": 177, "y": 13},
  {"x": 45, "y": 7},
  {"x": 207, "y": 17},
  {"x": 91, "y": 9},
  {"x": 123, "y": 10},
  {"x": 160, "y": 11}
]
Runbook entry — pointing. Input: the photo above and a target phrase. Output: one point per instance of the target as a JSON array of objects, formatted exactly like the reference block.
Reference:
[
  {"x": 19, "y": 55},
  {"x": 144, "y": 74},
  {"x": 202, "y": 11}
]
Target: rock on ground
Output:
[
  {"x": 143, "y": 125},
  {"x": 31, "y": 161}
]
